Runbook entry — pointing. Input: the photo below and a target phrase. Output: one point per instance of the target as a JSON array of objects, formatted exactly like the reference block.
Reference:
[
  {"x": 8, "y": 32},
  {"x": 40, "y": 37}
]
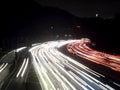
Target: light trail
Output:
[
  {"x": 57, "y": 71},
  {"x": 23, "y": 68},
  {"x": 3, "y": 66},
  {"x": 81, "y": 48},
  {"x": 20, "y": 49}
]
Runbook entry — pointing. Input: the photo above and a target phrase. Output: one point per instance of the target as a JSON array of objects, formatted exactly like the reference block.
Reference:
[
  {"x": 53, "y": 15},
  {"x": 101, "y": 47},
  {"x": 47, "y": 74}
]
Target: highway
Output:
[
  {"x": 44, "y": 67},
  {"x": 81, "y": 48},
  {"x": 14, "y": 69},
  {"x": 57, "y": 71}
]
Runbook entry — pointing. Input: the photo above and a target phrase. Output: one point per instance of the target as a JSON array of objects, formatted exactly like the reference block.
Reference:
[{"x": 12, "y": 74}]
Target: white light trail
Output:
[
  {"x": 57, "y": 71},
  {"x": 19, "y": 49},
  {"x": 3, "y": 67},
  {"x": 22, "y": 68},
  {"x": 25, "y": 67}
]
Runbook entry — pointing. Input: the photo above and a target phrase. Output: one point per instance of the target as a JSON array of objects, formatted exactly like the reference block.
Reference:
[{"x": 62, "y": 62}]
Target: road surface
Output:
[
  {"x": 45, "y": 67},
  {"x": 81, "y": 48}
]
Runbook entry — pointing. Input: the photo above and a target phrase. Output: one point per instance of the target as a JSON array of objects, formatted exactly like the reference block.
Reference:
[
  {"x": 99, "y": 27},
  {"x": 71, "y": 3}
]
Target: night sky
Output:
[
  {"x": 86, "y": 8},
  {"x": 33, "y": 19}
]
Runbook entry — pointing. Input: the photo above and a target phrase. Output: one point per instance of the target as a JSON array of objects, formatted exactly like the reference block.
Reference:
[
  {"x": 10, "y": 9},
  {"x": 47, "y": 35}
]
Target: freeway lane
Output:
[
  {"x": 45, "y": 67},
  {"x": 81, "y": 48},
  {"x": 57, "y": 71},
  {"x": 14, "y": 70},
  {"x": 5, "y": 66}
]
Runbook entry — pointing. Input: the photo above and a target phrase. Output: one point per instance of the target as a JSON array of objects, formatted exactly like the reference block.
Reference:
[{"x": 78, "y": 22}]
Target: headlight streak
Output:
[
  {"x": 20, "y": 49},
  {"x": 60, "y": 78},
  {"x": 23, "y": 68},
  {"x": 116, "y": 84},
  {"x": 44, "y": 80},
  {"x": 70, "y": 66},
  {"x": 41, "y": 80},
  {"x": 57, "y": 71},
  {"x": 83, "y": 74},
  {"x": 57, "y": 65},
  {"x": 3, "y": 66},
  {"x": 78, "y": 64}
]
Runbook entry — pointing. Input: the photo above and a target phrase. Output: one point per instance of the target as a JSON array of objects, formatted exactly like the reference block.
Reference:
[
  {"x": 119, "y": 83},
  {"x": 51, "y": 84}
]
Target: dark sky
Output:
[{"x": 83, "y": 8}]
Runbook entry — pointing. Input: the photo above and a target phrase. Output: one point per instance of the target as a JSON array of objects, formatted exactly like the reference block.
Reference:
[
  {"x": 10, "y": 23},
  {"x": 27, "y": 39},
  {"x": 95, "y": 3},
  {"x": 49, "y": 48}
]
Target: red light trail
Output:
[{"x": 81, "y": 48}]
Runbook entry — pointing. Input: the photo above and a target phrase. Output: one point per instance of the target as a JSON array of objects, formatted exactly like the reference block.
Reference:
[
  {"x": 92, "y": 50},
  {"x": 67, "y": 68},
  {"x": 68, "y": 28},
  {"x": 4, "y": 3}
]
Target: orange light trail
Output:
[{"x": 81, "y": 48}]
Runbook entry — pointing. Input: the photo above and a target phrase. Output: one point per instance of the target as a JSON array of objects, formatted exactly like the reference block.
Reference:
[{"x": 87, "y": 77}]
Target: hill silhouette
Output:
[{"x": 24, "y": 23}]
